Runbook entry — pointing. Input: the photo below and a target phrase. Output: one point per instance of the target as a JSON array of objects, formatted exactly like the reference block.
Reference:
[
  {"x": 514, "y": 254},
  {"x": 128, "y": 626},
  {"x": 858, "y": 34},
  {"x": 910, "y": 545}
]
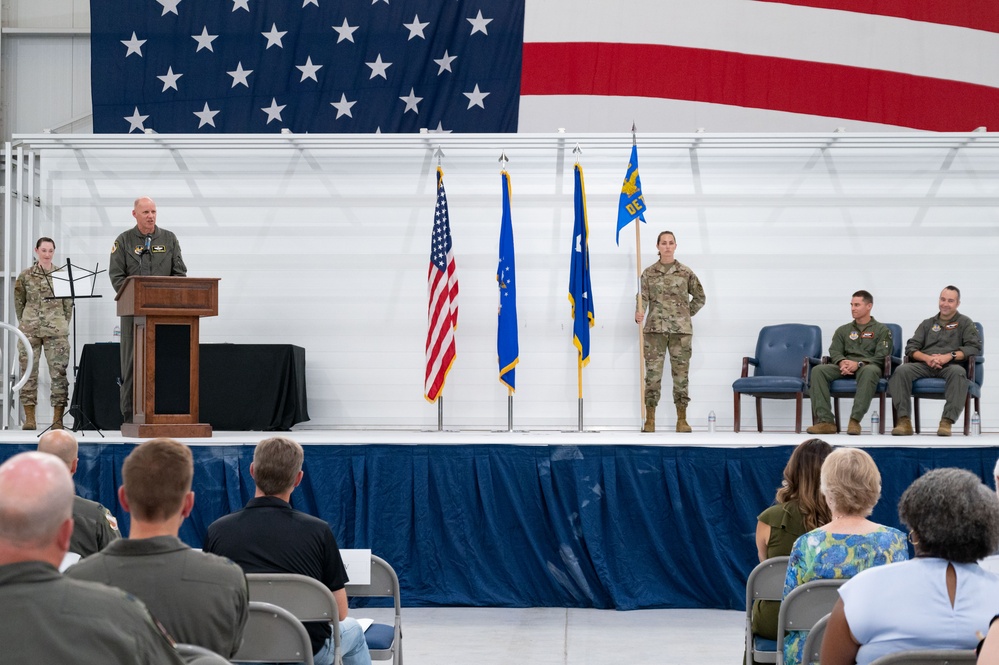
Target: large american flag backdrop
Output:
[{"x": 500, "y": 65}]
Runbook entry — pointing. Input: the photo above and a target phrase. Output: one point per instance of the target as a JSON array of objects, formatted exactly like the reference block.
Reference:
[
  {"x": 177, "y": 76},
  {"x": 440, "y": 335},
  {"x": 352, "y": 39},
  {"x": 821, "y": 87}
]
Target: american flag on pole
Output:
[
  {"x": 442, "y": 289},
  {"x": 536, "y": 65}
]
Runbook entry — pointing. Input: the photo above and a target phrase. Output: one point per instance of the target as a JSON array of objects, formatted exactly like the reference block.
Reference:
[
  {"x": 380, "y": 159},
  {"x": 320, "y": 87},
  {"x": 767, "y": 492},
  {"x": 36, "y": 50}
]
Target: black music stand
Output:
[{"x": 68, "y": 281}]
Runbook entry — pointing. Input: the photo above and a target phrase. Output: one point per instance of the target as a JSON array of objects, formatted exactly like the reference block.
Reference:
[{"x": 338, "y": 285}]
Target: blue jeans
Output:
[{"x": 352, "y": 645}]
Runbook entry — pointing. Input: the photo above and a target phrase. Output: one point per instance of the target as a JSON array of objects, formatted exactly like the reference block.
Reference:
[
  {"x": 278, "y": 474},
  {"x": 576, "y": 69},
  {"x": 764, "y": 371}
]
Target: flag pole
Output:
[
  {"x": 579, "y": 358},
  {"x": 641, "y": 305},
  {"x": 509, "y": 410},
  {"x": 440, "y": 413}
]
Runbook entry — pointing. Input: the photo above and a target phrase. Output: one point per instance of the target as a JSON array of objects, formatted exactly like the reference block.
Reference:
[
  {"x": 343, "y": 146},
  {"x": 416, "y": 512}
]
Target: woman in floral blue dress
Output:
[{"x": 850, "y": 542}]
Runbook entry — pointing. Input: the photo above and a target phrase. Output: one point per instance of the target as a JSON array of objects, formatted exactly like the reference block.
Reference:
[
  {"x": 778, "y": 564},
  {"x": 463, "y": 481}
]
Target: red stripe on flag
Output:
[
  {"x": 974, "y": 14},
  {"x": 755, "y": 81}
]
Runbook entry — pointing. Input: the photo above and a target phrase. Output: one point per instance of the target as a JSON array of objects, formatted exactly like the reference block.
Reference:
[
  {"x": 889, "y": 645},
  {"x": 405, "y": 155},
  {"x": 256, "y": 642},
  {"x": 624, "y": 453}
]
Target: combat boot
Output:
[
  {"x": 854, "y": 428},
  {"x": 650, "y": 419},
  {"x": 29, "y": 417},
  {"x": 903, "y": 427},
  {"x": 681, "y": 419},
  {"x": 944, "y": 428},
  {"x": 822, "y": 428},
  {"x": 57, "y": 412}
]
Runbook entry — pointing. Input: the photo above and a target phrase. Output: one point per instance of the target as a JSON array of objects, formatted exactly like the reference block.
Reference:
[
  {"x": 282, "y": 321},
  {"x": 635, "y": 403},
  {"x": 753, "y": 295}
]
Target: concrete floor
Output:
[{"x": 559, "y": 636}]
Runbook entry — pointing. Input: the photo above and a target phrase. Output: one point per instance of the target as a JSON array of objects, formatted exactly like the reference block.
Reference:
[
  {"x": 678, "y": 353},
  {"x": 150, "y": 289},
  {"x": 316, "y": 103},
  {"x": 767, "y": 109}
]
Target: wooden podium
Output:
[{"x": 167, "y": 311}]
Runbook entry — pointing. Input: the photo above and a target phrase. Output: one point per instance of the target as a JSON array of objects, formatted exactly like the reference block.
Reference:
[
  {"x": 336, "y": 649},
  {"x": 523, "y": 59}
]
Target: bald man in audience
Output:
[
  {"x": 47, "y": 617},
  {"x": 200, "y": 598},
  {"x": 94, "y": 527}
]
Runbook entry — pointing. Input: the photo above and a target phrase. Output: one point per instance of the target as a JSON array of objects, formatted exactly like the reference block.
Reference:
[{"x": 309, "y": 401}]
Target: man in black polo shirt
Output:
[{"x": 268, "y": 536}]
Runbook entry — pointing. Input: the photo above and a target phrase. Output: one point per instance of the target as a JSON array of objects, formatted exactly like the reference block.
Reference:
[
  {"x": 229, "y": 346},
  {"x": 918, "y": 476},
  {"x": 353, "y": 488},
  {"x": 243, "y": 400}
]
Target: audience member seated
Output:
[
  {"x": 988, "y": 649},
  {"x": 800, "y": 508},
  {"x": 940, "y": 599},
  {"x": 268, "y": 536},
  {"x": 199, "y": 598},
  {"x": 47, "y": 617},
  {"x": 94, "y": 527},
  {"x": 850, "y": 542}
]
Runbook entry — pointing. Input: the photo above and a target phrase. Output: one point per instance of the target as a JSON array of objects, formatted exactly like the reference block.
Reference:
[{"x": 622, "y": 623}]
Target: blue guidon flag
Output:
[{"x": 353, "y": 66}]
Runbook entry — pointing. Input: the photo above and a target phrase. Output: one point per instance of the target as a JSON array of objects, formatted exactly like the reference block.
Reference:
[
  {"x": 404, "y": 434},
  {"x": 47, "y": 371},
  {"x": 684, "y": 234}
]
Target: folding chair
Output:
[
  {"x": 813, "y": 643},
  {"x": 273, "y": 635},
  {"x": 803, "y": 607},
  {"x": 192, "y": 654},
  {"x": 384, "y": 641},
  {"x": 765, "y": 582},
  {"x": 929, "y": 657}
]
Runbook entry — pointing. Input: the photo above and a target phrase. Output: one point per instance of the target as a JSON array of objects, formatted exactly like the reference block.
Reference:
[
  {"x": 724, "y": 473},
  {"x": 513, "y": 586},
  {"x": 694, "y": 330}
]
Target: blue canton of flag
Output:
[
  {"x": 507, "y": 343},
  {"x": 345, "y": 66},
  {"x": 632, "y": 203},
  {"x": 580, "y": 294}
]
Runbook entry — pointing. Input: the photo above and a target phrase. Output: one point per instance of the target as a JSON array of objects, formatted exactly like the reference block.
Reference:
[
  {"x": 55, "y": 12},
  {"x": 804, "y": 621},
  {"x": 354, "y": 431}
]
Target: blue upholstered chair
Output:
[
  {"x": 784, "y": 355},
  {"x": 848, "y": 387},
  {"x": 933, "y": 388}
]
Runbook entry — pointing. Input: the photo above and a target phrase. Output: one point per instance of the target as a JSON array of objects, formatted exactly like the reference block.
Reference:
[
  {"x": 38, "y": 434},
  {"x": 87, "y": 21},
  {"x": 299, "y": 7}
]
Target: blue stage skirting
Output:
[{"x": 622, "y": 527}]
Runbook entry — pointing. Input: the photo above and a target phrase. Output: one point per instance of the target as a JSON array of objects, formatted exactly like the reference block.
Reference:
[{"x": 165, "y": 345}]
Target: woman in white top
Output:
[{"x": 940, "y": 599}]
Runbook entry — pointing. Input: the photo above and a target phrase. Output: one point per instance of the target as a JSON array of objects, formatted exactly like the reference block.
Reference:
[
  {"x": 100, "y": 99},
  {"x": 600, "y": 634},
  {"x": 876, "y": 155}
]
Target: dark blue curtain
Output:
[{"x": 621, "y": 527}]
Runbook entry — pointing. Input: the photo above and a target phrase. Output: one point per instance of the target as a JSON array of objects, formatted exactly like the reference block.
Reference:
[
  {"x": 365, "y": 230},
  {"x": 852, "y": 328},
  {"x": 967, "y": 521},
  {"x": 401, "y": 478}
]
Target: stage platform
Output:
[
  {"x": 608, "y": 437},
  {"x": 609, "y": 519}
]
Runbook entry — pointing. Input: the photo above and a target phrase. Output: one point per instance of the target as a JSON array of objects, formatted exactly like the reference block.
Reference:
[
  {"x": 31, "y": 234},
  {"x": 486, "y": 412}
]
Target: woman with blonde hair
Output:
[
  {"x": 850, "y": 542},
  {"x": 800, "y": 507}
]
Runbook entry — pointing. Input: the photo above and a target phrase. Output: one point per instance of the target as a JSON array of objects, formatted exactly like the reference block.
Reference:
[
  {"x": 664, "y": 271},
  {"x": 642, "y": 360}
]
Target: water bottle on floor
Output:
[
  {"x": 711, "y": 421},
  {"x": 875, "y": 423},
  {"x": 116, "y": 335},
  {"x": 976, "y": 424}
]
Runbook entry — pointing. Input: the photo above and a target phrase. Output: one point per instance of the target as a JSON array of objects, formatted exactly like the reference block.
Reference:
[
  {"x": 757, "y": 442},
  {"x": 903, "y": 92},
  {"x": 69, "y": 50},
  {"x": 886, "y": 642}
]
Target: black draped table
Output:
[{"x": 243, "y": 386}]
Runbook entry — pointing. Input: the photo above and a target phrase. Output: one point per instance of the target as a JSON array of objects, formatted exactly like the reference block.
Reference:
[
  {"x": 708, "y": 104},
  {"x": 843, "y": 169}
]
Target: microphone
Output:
[{"x": 149, "y": 240}]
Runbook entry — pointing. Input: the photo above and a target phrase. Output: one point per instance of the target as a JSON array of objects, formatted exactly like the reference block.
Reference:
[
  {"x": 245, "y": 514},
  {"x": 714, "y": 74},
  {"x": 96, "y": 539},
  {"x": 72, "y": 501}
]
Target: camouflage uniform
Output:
[
  {"x": 127, "y": 258},
  {"x": 672, "y": 294},
  {"x": 868, "y": 344},
  {"x": 46, "y": 325}
]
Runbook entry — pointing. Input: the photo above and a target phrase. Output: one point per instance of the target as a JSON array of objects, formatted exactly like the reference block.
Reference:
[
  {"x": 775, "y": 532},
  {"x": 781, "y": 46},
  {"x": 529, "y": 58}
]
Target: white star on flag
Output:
[
  {"x": 241, "y": 4},
  {"x": 378, "y": 67},
  {"x": 345, "y": 31},
  {"x": 207, "y": 116},
  {"x": 204, "y": 40},
  {"x": 169, "y": 6},
  {"x": 411, "y": 101},
  {"x": 239, "y": 75},
  {"x": 134, "y": 45},
  {"x": 135, "y": 121},
  {"x": 309, "y": 70},
  {"x": 445, "y": 62},
  {"x": 475, "y": 98},
  {"x": 479, "y": 24},
  {"x": 310, "y": 2},
  {"x": 273, "y": 111},
  {"x": 274, "y": 37},
  {"x": 343, "y": 106},
  {"x": 169, "y": 79},
  {"x": 415, "y": 28}
]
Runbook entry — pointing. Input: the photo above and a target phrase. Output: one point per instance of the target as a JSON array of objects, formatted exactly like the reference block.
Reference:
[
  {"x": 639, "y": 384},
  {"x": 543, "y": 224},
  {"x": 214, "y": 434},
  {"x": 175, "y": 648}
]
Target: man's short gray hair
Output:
[{"x": 276, "y": 463}]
